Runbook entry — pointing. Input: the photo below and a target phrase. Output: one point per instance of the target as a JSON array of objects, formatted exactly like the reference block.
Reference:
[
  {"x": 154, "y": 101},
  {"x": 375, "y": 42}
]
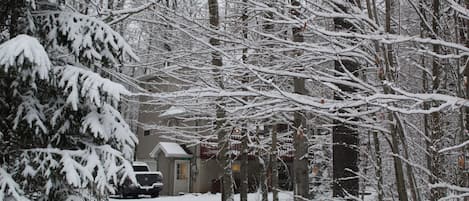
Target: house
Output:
[
  {"x": 183, "y": 169},
  {"x": 194, "y": 168},
  {"x": 187, "y": 166}
]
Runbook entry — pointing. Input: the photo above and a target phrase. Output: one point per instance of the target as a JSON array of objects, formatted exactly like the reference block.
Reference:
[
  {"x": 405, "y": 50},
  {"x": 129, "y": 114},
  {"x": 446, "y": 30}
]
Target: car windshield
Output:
[{"x": 140, "y": 168}]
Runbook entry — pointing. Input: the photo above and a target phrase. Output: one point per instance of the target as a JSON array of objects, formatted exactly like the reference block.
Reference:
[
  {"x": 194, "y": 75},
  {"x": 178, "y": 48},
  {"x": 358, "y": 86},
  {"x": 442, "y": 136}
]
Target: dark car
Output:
[{"x": 148, "y": 182}]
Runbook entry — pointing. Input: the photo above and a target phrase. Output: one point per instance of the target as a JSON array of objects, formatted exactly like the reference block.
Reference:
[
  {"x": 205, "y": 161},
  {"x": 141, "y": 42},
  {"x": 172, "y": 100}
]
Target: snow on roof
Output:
[
  {"x": 173, "y": 111},
  {"x": 139, "y": 163},
  {"x": 170, "y": 150}
]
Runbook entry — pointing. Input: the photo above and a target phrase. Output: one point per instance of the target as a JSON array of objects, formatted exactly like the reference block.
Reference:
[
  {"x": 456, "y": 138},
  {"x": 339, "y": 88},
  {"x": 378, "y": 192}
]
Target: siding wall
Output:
[
  {"x": 207, "y": 170},
  {"x": 166, "y": 167}
]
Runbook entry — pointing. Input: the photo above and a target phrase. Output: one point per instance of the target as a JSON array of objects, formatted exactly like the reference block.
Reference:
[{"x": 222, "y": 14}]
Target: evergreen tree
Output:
[{"x": 62, "y": 135}]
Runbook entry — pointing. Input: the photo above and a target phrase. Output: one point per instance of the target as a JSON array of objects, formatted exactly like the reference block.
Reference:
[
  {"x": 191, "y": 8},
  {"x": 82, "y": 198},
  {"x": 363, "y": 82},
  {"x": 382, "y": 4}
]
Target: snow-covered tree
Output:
[
  {"x": 62, "y": 135},
  {"x": 401, "y": 83}
]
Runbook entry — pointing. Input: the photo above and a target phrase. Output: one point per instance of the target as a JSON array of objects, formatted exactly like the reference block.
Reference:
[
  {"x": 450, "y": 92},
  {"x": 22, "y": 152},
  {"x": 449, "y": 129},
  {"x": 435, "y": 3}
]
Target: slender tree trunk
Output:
[
  {"x": 263, "y": 177},
  {"x": 465, "y": 151},
  {"x": 409, "y": 169},
  {"x": 459, "y": 180},
  {"x": 462, "y": 33},
  {"x": 398, "y": 170},
  {"x": 390, "y": 75},
  {"x": 223, "y": 136},
  {"x": 300, "y": 162},
  {"x": 262, "y": 168},
  {"x": 245, "y": 149},
  {"x": 244, "y": 168},
  {"x": 425, "y": 84},
  {"x": 344, "y": 137},
  {"x": 436, "y": 130},
  {"x": 274, "y": 164},
  {"x": 379, "y": 166}
]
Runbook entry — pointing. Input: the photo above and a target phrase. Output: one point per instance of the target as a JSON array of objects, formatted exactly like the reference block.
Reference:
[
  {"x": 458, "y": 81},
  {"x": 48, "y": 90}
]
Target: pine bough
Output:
[{"x": 62, "y": 135}]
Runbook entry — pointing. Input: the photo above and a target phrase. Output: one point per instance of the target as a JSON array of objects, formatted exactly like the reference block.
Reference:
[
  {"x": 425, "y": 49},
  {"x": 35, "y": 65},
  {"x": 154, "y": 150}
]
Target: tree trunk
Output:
[
  {"x": 370, "y": 6},
  {"x": 263, "y": 177},
  {"x": 436, "y": 130},
  {"x": 409, "y": 169},
  {"x": 262, "y": 167},
  {"x": 223, "y": 137},
  {"x": 300, "y": 162},
  {"x": 274, "y": 164},
  {"x": 245, "y": 149},
  {"x": 425, "y": 85},
  {"x": 379, "y": 167},
  {"x": 344, "y": 138},
  {"x": 391, "y": 77},
  {"x": 465, "y": 151},
  {"x": 398, "y": 170},
  {"x": 244, "y": 168},
  {"x": 464, "y": 34}
]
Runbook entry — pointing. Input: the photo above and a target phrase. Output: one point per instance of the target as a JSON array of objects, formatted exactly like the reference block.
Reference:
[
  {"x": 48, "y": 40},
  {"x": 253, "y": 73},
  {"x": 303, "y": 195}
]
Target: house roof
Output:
[
  {"x": 173, "y": 111},
  {"x": 139, "y": 163},
  {"x": 170, "y": 150}
]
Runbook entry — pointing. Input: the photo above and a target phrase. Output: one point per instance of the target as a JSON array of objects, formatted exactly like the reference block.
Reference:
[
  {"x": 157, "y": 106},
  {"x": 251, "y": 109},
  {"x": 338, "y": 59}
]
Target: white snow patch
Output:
[
  {"x": 25, "y": 49},
  {"x": 283, "y": 196},
  {"x": 173, "y": 111}
]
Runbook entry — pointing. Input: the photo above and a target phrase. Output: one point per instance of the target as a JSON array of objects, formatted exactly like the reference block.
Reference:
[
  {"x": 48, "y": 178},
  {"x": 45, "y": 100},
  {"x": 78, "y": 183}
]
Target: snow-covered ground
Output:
[{"x": 283, "y": 196}]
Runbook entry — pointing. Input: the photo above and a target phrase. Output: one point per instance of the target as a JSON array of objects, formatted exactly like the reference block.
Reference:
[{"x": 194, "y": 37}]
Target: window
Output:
[
  {"x": 281, "y": 128},
  {"x": 146, "y": 132},
  {"x": 181, "y": 171},
  {"x": 236, "y": 167}
]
